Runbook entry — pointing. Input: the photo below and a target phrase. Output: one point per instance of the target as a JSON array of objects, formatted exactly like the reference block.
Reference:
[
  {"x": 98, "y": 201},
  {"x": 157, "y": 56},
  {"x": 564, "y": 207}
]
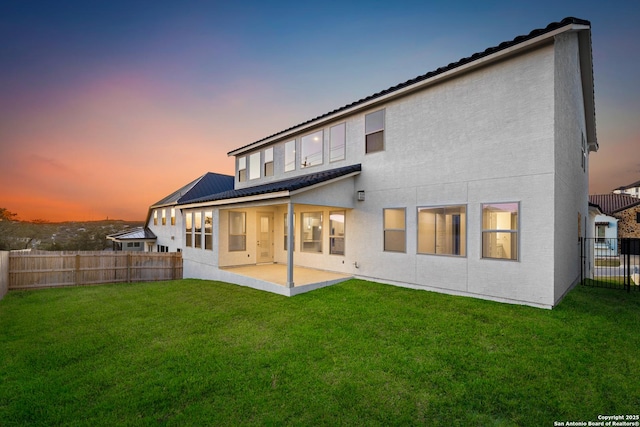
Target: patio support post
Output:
[{"x": 290, "y": 244}]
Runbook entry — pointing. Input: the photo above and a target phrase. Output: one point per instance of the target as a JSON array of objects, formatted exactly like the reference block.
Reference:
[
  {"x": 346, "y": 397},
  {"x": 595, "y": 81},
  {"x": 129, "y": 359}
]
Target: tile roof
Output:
[
  {"x": 613, "y": 203},
  {"x": 489, "y": 51},
  {"x": 208, "y": 184},
  {"x": 138, "y": 233},
  {"x": 291, "y": 184}
]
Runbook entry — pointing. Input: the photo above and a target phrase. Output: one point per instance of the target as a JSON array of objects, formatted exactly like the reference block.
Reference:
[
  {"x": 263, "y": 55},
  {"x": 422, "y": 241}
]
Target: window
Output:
[
  {"x": 441, "y": 230},
  {"x": 638, "y": 217},
  {"x": 242, "y": 169},
  {"x": 197, "y": 229},
  {"x": 208, "y": 230},
  {"x": 290, "y": 155},
  {"x": 337, "y": 143},
  {"x": 600, "y": 232},
  {"x": 268, "y": 162},
  {"x": 189, "y": 229},
  {"x": 311, "y": 149},
  {"x": 237, "y": 231},
  {"x": 286, "y": 232},
  {"x": 164, "y": 217},
  {"x": 155, "y": 217},
  {"x": 336, "y": 233},
  {"x": 254, "y": 166},
  {"x": 500, "y": 230},
  {"x": 173, "y": 216},
  {"x": 374, "y": 131},
  {"x": 394, "y": 230},
  {"x": 311, "y": 232}
]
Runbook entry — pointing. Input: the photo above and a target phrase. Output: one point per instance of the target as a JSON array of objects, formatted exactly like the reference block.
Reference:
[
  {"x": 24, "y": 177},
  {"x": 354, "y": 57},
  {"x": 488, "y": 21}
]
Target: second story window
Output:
[
  {"x": 254, "y": 166},
  {"x": 374, "y": 131},
  {"x": 290, "y": 155},
  {"x": 242, "y": 169},
  {"x": 311, "y": 149},
  {"x": 268, "y": 162}
]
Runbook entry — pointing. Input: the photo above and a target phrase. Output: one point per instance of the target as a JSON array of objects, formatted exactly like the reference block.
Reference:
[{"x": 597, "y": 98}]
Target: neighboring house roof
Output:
[
  {"x": 612, "y": 203},
  {"x": 138, "y": 233},
  {"x": 208, "y": 184},
  {"x": 462, "y": 62},
  {"x": 292, "y": 184},
  {"x": 634, "y": 185}
]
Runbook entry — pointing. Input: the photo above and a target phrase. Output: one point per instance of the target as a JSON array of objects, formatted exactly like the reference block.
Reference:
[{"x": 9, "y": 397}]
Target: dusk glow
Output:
[{"x": 106, "y": 108}]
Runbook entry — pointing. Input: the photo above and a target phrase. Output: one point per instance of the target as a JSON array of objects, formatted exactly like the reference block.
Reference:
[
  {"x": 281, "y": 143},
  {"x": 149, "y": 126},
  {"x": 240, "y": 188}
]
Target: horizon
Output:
[{"x": 108, "y": 108}]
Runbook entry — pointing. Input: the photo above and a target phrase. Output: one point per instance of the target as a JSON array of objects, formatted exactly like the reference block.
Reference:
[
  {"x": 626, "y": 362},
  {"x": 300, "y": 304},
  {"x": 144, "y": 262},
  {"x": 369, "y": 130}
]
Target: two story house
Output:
[{"x": 471, "y": 179}]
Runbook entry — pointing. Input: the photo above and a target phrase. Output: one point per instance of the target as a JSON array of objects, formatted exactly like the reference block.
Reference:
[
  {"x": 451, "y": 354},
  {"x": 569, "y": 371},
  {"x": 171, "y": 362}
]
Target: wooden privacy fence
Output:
[{"x": 28, "y": 270}]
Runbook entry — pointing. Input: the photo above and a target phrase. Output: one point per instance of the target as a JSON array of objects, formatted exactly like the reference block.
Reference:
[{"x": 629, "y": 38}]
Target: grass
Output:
[
  {"x": 359, "y": 353},
  {"x": 607, "y": 262}
]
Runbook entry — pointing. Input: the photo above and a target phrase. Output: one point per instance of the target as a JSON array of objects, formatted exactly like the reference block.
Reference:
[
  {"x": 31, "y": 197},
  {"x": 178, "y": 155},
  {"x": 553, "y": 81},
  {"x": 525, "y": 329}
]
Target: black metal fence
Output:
[{"x": 611, "y": 263}]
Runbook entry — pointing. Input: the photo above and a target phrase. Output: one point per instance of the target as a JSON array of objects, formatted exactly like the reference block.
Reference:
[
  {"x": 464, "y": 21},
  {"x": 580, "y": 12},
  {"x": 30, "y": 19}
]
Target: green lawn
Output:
[{"x": 207, "y": 353}]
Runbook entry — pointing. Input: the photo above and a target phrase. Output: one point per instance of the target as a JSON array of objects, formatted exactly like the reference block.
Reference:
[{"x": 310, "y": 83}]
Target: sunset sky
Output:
[{"x": 108, "y": 106}]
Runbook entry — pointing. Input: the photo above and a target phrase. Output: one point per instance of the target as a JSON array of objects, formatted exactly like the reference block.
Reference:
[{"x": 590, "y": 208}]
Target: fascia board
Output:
[{"x": 236, "y": 200}]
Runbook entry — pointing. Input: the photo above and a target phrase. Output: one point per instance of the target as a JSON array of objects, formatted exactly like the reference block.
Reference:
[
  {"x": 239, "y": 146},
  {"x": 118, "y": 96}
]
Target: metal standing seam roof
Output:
[
  {"x": 138, "y": 233},
  {"x": 613, "y": 203},
  {"x": 489, "y": 51},
  {"x": 291, "y": 184},
  {"x": 207, "y": 184}
]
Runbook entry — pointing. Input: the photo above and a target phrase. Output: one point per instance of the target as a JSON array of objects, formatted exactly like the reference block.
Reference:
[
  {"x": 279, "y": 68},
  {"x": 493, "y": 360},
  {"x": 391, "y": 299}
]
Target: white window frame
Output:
[
  {"x": 197, "y": 229},
  {"x": 267, "y": 169},
  {"x": 436, "y": 231},
  {"x": 514, "y": 232},
  {"x": 315, "y": 243},
  {"x": 243, "y": 234},
  {"x": 333, "y": 237},
  {"x": 254, "y": 166},
  {"x": 242, "y": 167},
  {"x": 371, "y": 129},
  {"x": 208, "y": 230},
  {"x": 188, "y": 227},
  {"x": 316, "y": 137},
  {"x": 385, "y": 230}
]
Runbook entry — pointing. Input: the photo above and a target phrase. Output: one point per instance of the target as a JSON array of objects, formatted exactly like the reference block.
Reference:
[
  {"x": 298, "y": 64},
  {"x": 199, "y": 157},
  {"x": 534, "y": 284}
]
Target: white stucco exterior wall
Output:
[
  {"x": 571, "y": 186},
  {"x": 506, "y": 132}
]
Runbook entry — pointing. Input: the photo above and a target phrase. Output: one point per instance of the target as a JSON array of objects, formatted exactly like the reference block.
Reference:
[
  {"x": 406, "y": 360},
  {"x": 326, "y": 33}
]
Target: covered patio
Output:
[{"x": 273, "y": 278}]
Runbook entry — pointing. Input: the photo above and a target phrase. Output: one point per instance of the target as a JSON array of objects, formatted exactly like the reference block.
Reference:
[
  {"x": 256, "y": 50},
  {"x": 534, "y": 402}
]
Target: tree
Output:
[{"x": 7, "y": 225}]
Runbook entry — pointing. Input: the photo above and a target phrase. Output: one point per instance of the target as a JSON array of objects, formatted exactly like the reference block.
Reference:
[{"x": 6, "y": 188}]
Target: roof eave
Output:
[
  {"x": 236, "y": 200},
  {"x": 588, "y": 90}
]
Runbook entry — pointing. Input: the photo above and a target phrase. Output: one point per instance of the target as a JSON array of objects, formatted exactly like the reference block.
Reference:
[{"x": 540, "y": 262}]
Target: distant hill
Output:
[{"x": 68, "y": 235}]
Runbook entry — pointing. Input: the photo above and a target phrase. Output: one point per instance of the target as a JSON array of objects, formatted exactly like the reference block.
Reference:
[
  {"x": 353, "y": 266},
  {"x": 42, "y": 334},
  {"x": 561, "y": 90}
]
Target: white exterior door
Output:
[{"x": 264, "y": 247}]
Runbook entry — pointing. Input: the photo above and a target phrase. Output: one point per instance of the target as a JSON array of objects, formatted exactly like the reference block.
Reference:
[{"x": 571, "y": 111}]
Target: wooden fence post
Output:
[
  {"x": 78, "y": 274},
  {"x": 128, "y": 267}
]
